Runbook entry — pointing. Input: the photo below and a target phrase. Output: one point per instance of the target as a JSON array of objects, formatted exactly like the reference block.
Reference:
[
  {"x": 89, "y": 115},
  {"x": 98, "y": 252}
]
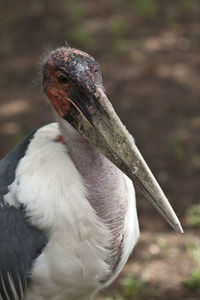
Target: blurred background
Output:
[{"x": 149, "y": 51}]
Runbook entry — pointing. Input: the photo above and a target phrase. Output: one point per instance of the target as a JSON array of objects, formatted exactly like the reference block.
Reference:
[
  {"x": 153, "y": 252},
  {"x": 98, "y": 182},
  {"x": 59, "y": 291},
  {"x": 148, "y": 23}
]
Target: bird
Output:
[{"x": 68, "y": 218}]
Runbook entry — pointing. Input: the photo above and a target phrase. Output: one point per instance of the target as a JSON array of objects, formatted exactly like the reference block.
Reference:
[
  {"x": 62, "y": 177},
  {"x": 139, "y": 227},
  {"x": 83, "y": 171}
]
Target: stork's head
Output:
[
  {"x": 72, "y": 81},
  {"x": 70, "y": 74}
]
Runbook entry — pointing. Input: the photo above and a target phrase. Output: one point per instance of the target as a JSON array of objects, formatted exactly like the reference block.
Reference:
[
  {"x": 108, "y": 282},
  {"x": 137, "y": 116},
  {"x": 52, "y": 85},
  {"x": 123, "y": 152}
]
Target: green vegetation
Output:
[
  {"x": 132, "y": 286},
  {"x": 119, "y": 27},
  {"x": 193, "y": 216},
  {"x": 178, "y": 148},
  {"x": 77, "y": 11},
  {"x": 189, "y": 5},
  {"x": 193, "y": 248},
  {"x": 193, "y": 281},
  {"x": 146, "y": 9},
  {"x": 129, "y": 287},
  {"x": 83, "y": 37},
  {"x": 116, "y": 297}
]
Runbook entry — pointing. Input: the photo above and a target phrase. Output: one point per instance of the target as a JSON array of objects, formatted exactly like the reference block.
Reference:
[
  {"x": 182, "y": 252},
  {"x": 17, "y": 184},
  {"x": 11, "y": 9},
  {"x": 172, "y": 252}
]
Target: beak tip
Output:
[{"x": 178, "y": 228}]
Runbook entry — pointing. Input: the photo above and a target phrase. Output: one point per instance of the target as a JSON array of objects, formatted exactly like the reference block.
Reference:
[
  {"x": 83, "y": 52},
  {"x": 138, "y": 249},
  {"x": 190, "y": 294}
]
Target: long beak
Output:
[{"x": 94, "y": 117}]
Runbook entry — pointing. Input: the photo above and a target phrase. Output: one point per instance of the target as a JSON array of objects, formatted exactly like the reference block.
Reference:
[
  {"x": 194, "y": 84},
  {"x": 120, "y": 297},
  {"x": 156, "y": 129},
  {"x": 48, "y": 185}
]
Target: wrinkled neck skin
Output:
[
  {"x": 71, "y": 136},
  {"x": 105, "y": 183},
  {"x": 102, "y": 178}
]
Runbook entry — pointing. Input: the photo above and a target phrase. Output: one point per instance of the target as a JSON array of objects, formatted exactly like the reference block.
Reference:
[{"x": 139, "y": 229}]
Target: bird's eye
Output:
[{"x": 62, "y": 78}]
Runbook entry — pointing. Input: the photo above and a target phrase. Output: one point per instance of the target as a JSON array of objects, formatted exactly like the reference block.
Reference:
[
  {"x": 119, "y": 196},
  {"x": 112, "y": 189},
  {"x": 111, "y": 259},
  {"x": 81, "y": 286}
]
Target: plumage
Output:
[
  {"x": 68, "y": 219},
  {"x": 20, "y": 243},
  {"x": 71, "y": 218}
]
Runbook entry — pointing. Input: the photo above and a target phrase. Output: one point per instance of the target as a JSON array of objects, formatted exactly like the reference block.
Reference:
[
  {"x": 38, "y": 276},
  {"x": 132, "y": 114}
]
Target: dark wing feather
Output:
[{"x": 20, "y": 243}]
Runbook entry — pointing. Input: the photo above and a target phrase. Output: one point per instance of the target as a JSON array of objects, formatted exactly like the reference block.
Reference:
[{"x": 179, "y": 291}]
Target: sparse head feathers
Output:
[{"x": 77, "y": 65}]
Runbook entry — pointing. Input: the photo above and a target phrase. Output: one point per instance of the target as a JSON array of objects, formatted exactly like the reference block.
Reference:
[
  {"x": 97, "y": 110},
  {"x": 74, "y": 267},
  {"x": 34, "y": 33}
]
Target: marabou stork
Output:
[{"x": 68, "y": 219}]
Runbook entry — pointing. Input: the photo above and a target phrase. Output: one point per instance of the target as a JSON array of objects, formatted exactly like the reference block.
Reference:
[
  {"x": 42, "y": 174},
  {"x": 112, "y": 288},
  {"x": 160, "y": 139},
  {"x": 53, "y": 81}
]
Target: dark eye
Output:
[{"x": 62, "y": 78}]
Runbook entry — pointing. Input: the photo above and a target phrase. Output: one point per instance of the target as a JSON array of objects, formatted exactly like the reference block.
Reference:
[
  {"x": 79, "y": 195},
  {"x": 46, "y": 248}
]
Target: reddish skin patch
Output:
[
  {"x": 58, "y": 96},
  {"x": 60, "y": 139}
]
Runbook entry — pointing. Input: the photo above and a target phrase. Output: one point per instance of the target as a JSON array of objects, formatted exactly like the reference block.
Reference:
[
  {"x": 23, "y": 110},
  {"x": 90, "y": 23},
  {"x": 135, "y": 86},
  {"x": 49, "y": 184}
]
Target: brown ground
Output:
[{"x": 150, "y": 59}]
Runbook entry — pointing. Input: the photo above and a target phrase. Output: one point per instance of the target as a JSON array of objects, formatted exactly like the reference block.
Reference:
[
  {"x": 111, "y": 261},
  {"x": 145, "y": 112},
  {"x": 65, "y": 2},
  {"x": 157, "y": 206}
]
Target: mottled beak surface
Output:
[{"x": 94, "y": 117}]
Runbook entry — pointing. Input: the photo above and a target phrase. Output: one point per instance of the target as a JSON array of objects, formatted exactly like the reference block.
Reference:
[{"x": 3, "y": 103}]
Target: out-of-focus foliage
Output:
[
  {"x": 193, "y": 215},
  {"x": 132, "y": 286},
  {"x": 194, "y": 250},
  {"x": 193, "y": 281},
  {"x": 75, "y": 21}
]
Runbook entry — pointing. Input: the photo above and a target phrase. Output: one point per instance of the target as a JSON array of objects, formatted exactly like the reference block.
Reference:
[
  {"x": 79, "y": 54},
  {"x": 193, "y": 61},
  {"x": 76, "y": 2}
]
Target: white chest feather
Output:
[{"x": 74, "y": 263}]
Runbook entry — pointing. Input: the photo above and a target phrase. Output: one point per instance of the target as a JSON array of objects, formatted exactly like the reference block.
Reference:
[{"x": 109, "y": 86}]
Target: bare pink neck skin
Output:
[{"x": 105, "y": 184}]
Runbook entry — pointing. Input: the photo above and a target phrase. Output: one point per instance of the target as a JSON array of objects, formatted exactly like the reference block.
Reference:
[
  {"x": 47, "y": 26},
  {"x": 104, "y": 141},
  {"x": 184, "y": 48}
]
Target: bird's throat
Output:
[{"x": 106, "y": 185}]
